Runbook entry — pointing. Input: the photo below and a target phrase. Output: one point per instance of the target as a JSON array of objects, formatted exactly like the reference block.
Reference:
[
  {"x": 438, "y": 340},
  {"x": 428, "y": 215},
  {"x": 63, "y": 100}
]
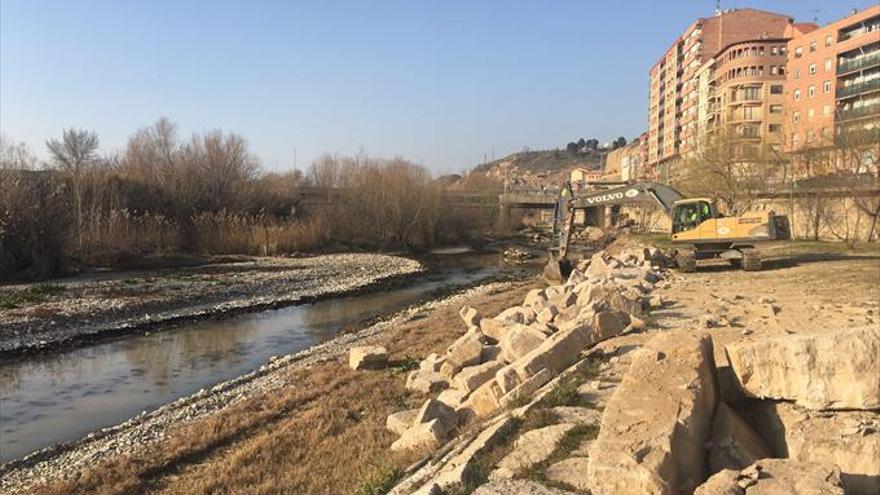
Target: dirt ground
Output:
[{"x": 327, "y": 435}]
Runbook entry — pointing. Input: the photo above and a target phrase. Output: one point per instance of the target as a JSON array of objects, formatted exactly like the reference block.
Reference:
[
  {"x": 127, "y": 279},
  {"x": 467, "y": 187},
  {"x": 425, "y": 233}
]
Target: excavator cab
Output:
[{"x": 689, "y": 214}]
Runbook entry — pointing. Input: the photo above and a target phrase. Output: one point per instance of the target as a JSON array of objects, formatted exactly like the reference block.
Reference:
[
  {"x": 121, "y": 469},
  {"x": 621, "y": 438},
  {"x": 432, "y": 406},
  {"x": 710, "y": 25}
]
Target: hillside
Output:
[{"x": 535, "y": 168}]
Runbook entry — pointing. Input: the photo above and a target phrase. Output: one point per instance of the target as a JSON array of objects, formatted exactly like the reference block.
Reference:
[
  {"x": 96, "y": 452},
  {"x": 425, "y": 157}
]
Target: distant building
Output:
[
  {"x": 625, "y": 163},
  {"x": 673, "y": 103},
  {"x": 833, "y": 80},
  {"x": 583, "y": 175}
]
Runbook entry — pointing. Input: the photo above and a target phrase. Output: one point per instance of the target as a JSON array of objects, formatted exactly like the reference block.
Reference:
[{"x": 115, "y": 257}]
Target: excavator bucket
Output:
[{"x": 557, "y": 270}]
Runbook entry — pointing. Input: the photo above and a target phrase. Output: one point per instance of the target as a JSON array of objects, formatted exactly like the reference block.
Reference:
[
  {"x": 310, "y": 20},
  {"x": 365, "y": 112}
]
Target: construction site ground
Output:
[{"x": 325, "y": 433}]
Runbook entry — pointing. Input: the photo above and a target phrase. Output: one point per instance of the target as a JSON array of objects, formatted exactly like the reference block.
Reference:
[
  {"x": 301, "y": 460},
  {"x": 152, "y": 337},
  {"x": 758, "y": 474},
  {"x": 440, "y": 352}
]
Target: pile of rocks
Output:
[
  {"x": 517, "y": 255},
  {"x": 503, "y": 359}
]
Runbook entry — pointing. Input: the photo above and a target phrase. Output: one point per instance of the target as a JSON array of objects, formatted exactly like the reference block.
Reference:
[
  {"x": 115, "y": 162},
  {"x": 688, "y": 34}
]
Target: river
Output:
[{"x": 62, "y": 396}]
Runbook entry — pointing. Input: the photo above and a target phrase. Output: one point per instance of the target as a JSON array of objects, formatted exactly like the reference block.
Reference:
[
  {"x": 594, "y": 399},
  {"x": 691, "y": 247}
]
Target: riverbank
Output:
[
  {"x": 85, "y": 309},
  {"x": 292, "y": 387}
]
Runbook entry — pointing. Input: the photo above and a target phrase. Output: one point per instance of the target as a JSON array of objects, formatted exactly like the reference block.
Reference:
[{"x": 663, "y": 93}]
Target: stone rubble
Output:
[{"x": 676, "y": 411}]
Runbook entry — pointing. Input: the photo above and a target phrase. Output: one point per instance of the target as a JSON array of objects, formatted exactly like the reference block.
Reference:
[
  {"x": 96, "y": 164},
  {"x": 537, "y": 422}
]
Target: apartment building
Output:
[
  {"x": 833, "y": 80},
  {"x": 675, "y": 89}
]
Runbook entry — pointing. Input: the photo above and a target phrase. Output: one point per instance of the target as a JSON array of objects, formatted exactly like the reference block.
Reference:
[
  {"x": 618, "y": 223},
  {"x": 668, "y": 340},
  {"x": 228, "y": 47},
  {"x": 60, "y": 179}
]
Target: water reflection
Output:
[{"x": 61, "y": 397}]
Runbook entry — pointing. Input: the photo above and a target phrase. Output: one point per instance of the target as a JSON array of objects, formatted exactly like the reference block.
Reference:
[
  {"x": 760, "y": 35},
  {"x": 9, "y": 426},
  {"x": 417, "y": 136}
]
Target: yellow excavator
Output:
[{"x": 699, "y": 230}]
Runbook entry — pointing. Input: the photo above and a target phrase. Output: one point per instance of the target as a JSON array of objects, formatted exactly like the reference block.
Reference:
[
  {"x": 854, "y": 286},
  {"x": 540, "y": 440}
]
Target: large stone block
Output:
[
  {"x": 656, "y": 425},
  {"x": 518, "y": 341},
  {"x": 401, "y": 421},
  {"x": 829, "y": 370},
  {"x": 465, "y": 351},
  {"x": 423, "y": 436},
  {"x": 425, "y": 382},
  {"x": 470, "y": 378},
  {"x": 368, "y": 357},
  {"x": 556, "y": 353},
  {"x": 470, "y": 316},
  {"x": 483, "y": 402},
  {"x": 436, "y": 410},
  {"x": 531, "y": 448},
  {"x": 847, "y": 439},
  {"x": 775, "y": 477}
]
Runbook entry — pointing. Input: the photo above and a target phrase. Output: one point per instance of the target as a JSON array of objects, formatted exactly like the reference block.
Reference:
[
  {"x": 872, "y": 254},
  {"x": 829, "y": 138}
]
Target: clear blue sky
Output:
[{"x": 439, "y": 82}]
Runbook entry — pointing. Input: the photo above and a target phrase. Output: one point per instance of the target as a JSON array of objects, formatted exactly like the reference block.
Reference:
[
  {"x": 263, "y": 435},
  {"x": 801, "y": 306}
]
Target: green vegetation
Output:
[
  {"x": 32, "y": 295},
  {"x": 405, "y": 365},
  {"x": 382, "y": 480},
  {"x": 565, "y": 393}
]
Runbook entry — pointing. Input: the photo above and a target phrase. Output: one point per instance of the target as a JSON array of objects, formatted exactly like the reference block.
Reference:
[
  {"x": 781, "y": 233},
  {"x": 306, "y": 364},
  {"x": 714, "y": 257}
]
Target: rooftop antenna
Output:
[
  {"x": 816, "y": 15},
  {"x": 717, "y": 7}
]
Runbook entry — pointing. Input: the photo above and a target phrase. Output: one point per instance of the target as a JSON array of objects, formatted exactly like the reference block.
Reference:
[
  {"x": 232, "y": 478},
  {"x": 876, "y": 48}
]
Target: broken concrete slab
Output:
[
  {"x": 828, "y": 370},
  {"x": 776, "y": 477},
  {"x": 368, "y": 357},
  {"x": 734, "y": 445},
  {"x": 657, "y": 423}
]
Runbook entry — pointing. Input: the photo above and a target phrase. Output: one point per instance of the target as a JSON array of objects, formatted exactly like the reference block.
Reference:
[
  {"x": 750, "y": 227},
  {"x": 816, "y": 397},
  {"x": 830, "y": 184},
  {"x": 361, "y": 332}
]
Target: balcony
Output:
[
  {"x": 858, "y": 88},
  {"x": 859, "y": 63},
  {"x": 857, "y": 113}
]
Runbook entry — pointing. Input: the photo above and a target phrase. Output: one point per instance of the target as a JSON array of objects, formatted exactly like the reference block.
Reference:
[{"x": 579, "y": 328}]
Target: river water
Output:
[{"x": 60, "y": 397}]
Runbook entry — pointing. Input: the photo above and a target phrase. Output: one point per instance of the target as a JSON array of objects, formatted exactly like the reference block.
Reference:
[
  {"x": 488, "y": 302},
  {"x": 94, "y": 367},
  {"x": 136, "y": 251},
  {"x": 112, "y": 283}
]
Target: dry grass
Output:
[{"x": 324, "y": 435}]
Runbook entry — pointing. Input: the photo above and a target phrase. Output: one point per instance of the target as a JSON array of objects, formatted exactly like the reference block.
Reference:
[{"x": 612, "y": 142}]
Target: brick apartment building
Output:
[
  {"x": 833, "y": 80},
  {"x": 675, "y": 89}
]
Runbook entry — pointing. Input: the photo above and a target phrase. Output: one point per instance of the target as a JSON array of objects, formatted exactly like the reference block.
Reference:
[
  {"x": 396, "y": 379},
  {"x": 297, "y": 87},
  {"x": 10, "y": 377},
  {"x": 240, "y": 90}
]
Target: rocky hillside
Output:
[
  {"x": 595, "y": 386},
  {"x": 536, "y": 168}
]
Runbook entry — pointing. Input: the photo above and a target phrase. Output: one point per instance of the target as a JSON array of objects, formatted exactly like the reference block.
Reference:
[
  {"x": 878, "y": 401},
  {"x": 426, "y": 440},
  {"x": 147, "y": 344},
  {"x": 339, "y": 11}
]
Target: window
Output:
[
  {"x": 826, "y": 132},
  {"x": 796, "y": 116},
  {"x": 810, "y": 113},
  {"x": 826, "y": 110},
  {"x": 774, "y": 50},
  {"x": 828, "y": 40},
  {"x": 750, "y": 131},
  {"x": 797, "y": 94},
  {"x": 827, "y": 65},
  {"x": 826, "y": 87},
  {"x": 797, "y": 73},
  {"x": 775, "y": 108},
  {"x": 812, "y": 68},
  {"x": 776, "y": 89},
  {"x": 774, "y": 70},
  {"x": 812, "y": 46},
  {"x": 811, "y": 91},
  {"x": 810, "y": 136},
  {"x": 781, "y": 70},
  {"x": 798, "y": 52},
  {"x": 774, "y": 128},
  {"x": 794, "y": 138}
]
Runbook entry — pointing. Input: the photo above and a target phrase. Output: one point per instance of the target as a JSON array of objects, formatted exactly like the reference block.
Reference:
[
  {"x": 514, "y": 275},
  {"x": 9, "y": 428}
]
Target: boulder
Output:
[
  {"x": 471, "y": 377},
  {"x": 490, "y": 353},
  {"x": 535, "y": 297},
  {"x": 401, "y": 421},
  {"x": 518, "y": 341},
  {"x": 565, "y": 300},
  {"x": 470, "y": 316},
  {"x": 517, "y": 314},
  {"x": 531, "y": 448},
  {"x": 465, "y": 351},
  {"x": 734, "y": 444},
  {"x": 425, "y": 382},
  {"x": 435, "y": 410},
  {"x": 609, "y": 323},
  {"x": 571, "y": 472},
  {"x": 848, "y": 439},
  {"x": 482, "y": 402},
  {"x": 495, "y": 328},
  {"x": 368, "y": 357},
  {"x": 547, "y": 314},
  {"x": 829, "y": 370},
  {"x": 655, "y": 426},
  {"x": 452, "y": 397},
  {"x": 449, "y": 370},
  {"x": 556, "y": 353},
  {"x": 423, "y": 436},
  {"x": 575, "y": 277},
  {"x": 775, "y": 477},
  {"x": 507, "y": 378},
  {"x": 599, "y": 268},
  {"x": 518, "y": 487},
  {"x": 432, "y": 362}
]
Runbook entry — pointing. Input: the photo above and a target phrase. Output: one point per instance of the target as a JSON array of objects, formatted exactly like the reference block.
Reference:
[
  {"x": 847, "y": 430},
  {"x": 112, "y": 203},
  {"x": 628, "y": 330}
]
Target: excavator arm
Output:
[{"x": 558, "y": 267}]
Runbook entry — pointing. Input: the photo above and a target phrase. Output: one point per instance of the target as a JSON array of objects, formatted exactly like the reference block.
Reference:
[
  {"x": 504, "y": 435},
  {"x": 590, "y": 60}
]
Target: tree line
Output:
[{"x": 205, "y": 194}]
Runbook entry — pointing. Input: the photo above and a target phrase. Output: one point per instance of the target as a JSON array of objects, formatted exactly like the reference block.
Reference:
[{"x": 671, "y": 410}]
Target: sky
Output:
[{"x": 443, "y": 83}]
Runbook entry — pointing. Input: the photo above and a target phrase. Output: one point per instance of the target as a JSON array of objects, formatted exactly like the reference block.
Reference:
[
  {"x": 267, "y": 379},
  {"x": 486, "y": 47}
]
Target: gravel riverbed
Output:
[
  {"x": 89, "y": 308},
  {"x": 146, "y": 429}
]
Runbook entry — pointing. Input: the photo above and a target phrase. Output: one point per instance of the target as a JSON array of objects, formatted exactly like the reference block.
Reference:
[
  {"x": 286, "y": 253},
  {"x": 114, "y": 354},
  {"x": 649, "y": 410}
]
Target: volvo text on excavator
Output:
[{"x": 699, "y": 230}]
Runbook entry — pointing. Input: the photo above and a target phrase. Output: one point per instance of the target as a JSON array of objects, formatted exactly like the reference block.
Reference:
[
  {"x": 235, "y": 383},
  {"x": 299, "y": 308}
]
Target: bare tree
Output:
[{"x": 74, "y": 154}]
